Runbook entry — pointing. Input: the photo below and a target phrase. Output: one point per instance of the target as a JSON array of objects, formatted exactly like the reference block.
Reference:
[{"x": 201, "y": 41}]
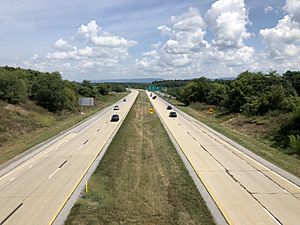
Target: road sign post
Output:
[{"x": 210, "y": 112}]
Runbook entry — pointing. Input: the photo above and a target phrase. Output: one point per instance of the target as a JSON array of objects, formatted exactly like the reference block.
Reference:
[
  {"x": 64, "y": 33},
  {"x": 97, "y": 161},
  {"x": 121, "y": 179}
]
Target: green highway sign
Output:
[{"x": 153, "y": 88}]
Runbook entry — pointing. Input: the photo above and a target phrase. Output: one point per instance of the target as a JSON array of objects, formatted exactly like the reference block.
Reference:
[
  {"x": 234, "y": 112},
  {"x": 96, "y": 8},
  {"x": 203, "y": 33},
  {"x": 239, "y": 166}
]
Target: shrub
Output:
[
  {"x": 295, "y": 143},
  {"x": 12, "y": 89}
]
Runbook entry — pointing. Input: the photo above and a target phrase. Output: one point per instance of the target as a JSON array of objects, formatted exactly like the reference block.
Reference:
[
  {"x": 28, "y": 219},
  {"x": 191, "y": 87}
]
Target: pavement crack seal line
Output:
[
  {"x": 9, "y": 215},
  {"x": 52, "y": 174},
  {"x": 64, "y": 210},
  {"x": 63, "y": 164},
  {"x": 231, "y": 176},
  {"x": 208, "y": 197}
]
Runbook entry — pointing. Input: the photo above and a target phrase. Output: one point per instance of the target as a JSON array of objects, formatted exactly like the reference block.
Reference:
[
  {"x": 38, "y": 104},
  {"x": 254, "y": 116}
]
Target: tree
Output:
[
  {"x": 216, "y": 94},
  {"x": 86, "y": 89},
  {"x": 49, "y": 91},
  {"x": 195, "y": 91},
  {"x": 102, "y": 89},
  {"x": 258, "y": 93},
  {"x": 294, "y": 78}
]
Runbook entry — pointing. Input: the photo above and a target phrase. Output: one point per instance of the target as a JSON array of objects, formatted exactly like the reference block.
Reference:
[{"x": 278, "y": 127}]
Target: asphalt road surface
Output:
[
  {"x": 35, "y": 191},
  {"x": 245, "y": 191}
]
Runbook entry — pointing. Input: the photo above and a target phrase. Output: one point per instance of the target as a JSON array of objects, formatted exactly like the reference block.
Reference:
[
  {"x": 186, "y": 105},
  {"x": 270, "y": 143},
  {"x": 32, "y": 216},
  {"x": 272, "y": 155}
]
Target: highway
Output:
[
  {"x": 35, "y": 191},
  {"x": 245, "y": 191}
]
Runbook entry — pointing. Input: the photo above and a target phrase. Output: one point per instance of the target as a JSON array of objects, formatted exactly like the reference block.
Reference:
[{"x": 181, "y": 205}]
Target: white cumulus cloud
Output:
[
  {"x": 228, "y": 19},
  {"x": 109, "y": 40},
  {"x": 283, "y": 41},
  {"x": 90, "y": 49},
  {"x": 61, "y": 44},
  {"x": 293, "y": 9}
]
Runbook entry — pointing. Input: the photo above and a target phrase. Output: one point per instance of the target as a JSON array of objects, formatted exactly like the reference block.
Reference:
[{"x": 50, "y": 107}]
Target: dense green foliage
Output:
[
  {"x": 12, "y": 89},
  {"x": 294, "y": 78},
  {"x": 250, "y": 93},
  {"x": 48, "y": 90}
]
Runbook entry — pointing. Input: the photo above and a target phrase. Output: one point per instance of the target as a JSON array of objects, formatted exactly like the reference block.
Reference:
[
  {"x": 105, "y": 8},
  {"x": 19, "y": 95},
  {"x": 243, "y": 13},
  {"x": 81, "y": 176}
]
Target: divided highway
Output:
[
  {"x": 245, "y": 191},
  {"x": 36, "y": 190}
]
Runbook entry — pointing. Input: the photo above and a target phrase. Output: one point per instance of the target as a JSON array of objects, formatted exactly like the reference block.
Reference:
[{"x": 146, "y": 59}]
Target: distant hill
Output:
[
  {"x": 225, "y": 78},
  {"x": 140, "y": 80}
]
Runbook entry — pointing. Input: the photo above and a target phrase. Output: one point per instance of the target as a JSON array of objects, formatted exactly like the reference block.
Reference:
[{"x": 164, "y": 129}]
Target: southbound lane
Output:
[{"x": 245, "y": 191}]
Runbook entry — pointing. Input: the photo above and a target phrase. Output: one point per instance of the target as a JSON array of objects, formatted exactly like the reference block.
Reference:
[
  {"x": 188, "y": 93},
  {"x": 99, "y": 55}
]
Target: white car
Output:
[{"x": 116, "y": 107}]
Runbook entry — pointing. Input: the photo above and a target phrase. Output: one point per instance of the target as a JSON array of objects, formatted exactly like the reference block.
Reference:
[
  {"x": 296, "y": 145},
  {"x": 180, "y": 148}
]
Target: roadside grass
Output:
[
  {"x": 141, "y": 179},
  {"x": 290, "y": 163},
  {"x": 24, "y": 126}
]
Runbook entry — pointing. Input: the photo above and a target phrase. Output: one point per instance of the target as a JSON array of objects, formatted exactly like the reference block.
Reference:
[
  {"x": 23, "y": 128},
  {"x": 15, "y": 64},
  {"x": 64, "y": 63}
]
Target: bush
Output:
[
  {"x": 118, "y": 88},
  {"x": 12, "y": 89},
  {"x": 295, "y": 143}
]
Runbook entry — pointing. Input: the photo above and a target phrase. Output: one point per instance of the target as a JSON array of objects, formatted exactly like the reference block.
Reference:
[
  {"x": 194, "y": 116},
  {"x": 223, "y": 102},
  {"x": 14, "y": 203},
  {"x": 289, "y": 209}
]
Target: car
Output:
[
  {"x": 154, "y": 97},
  {"x": 169, "y": 107},
  {"x": 115, "y": 118},
  {"x": 116, "y": 107},
  {"x": 172, "y": 114},
  {"x": 124, "y": 99},
  {"x": 150, "y": 94}
]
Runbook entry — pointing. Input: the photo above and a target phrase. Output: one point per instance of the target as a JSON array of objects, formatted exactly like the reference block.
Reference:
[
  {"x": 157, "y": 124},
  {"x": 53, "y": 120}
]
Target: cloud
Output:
[
  {"x": 293, "y": 9},
  {"x": 268, "y": 9},
  {"x": 164, "y": 30},
  {"x": 89, "y": 30},
  {"x": 186, "y": 37},
  {"x": 108, "y": 40},
  {"x": 61, "y": 44},
  {"x": 63, "y": 55},
  {"x": 228, "y": 19},
  {"x": 283, "y": 41},
  {"x": 189, "y": 21},
  {"x": 89, "y": 49},
  {"x": 188, "y": 53}
]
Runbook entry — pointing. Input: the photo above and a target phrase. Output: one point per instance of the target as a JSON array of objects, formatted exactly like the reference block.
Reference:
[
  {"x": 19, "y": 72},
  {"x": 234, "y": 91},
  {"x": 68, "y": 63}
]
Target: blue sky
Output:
[{"x": 120, "y": 39}]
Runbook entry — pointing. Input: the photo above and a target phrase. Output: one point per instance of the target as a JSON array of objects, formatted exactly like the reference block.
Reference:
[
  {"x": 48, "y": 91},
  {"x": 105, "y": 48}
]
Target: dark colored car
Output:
[
  {"x": 124, "y": 99},
  {"x": 169, "y": 107},
  {"x": 173, "y": 114},
  {"x": 150, "y": 94},
  {"x": 154, "y": 97},
  {"x": 114, "y": 118}
]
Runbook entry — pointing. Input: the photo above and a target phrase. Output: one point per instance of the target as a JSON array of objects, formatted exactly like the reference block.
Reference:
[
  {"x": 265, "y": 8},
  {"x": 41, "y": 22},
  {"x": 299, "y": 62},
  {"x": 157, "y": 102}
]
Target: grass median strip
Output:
[{"x": 141, "y": 179}]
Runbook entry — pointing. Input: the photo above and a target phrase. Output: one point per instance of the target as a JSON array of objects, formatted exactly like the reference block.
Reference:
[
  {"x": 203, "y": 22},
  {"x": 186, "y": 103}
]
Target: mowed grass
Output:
[
  {"x": 24, "y": 126},
  {"x": 141, "y": 179},
  {"x": 278, "y": 157}
]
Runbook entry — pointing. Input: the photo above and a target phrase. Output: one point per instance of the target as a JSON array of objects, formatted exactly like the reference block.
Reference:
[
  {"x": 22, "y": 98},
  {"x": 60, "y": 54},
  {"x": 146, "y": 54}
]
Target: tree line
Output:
[
  {"x": 48, "y": 90},
  {"x": 252, "y": 94}
]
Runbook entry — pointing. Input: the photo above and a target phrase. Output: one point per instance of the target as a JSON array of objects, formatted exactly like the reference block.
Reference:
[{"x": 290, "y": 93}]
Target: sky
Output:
[{"x": 169, "y": 39}]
